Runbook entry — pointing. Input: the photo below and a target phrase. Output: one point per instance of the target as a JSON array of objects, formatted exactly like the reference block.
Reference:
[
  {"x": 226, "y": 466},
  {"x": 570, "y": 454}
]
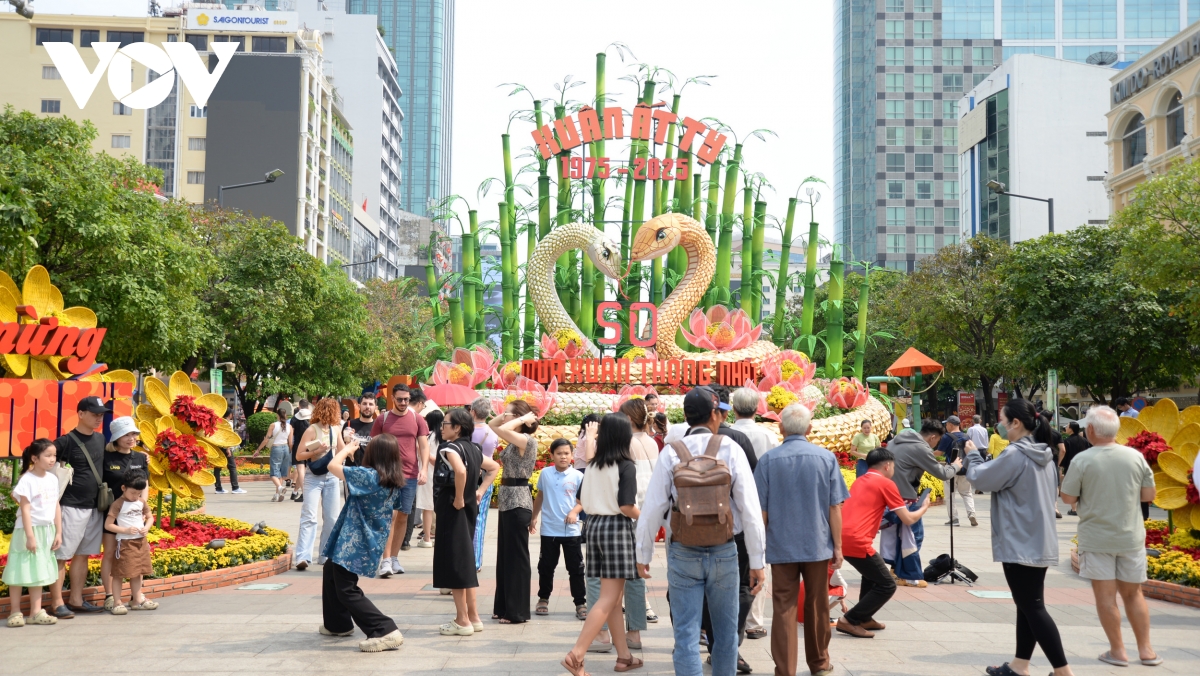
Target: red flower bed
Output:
[
  {"x": 1150, "y": 444},
  {"x": 191, "y": 533}
]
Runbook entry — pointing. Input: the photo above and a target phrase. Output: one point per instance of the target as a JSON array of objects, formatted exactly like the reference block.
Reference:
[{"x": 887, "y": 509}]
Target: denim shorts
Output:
[
  {"x": 280, "y": 464},
  {"x": 406, "y": 497}
]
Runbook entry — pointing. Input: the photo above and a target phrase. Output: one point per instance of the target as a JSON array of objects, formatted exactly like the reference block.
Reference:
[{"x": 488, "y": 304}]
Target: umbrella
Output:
[{"x": 912, "y": 362}]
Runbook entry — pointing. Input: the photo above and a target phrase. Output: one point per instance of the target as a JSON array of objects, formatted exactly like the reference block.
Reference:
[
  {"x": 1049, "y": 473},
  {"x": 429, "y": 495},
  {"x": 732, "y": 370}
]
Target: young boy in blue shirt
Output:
[{"x": 558, "y": 487}]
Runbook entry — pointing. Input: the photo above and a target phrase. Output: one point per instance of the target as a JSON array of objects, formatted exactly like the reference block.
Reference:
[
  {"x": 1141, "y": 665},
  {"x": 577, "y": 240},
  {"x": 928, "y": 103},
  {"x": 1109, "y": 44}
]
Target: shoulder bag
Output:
[
  {"x": 320, "y": 466},
  {"x": 443, "y": 473},
  {"x": 104, "y": 496},
  {"x": 65, "y": 475}
]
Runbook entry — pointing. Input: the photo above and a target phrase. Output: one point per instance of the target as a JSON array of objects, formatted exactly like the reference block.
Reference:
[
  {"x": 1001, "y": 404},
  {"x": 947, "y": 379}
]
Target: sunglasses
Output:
[{"x": 402, "y": 401}]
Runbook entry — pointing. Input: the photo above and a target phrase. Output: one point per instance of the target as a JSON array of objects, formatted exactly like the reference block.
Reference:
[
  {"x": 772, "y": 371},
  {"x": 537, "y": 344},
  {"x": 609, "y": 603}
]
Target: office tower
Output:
[
  {"x": 420, "y": 34},
  {"x": 900, "y": 68}
]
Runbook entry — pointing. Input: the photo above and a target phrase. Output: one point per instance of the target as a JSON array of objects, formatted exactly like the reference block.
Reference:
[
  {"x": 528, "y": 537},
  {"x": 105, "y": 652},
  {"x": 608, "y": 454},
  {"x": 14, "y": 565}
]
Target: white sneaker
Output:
[
  {"x": 424, "y": 544},
  {"x": 391, "y": 641},
  {"x": 239, "y": 491},
  {"x": 396, "y": 567},
  {"x": 385, "y": 568}
]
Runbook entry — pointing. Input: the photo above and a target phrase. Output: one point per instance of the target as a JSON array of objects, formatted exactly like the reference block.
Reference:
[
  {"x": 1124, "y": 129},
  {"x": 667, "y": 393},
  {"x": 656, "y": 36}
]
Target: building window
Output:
[
  {"x": 895, "y": 217},
  {"x": 949, "y": 240},
  {"x": 126, "y": 37},
  {"x": 950, "y": 136},
  {"x": 197, "y": 111},
  {"x": 1151, "y": 18},
  {"x": 950, "y": 217},
  {"x": 121, "y": 109},
  {"x": 894, "y": 83},
  {"x": 1133, "y": 142},
  {"x": 895, "y": 136},
  {"x": 1027, "y": 20},
  {"x": 949, "y": 110},
  {"x": 896, "y": 244},
  {"x": 895, "y": 190},
  {"x": 276, "y": 45},
  {"x": 923, "y": 110},
  {"x": 1175, "y": 130},
  {"x": 924, "y": 162},
  {"x": 924, "y": 217},
  {"x": 922, "y": 30},
  {"x": 195, "y": 178},
  {"x": 893, "y": 110},
  {"x": 925, "y": 243},
  {"x": 899, "y": 266},
  {"x": 1047, "y": 50},
  {"x": 922, "y": 56},
  {"x": 87, "y": 37},
  {"x": 50, "y": 73},
  {"x": 924, "y": 191},
  {"x": 895, "y": 5},
  {"x": 240, "y": 39},
  {"x": 950, "y": 163},
  {"x": 200, "y": 42},
  {"x": 894, "y": 56},
  {"x": 981, "y": 56},
  {"x": 120, "y": 140},
  {"x": 51, "y": 105},
  {"x": 895, "y": 162},
  {"x": 950, "y": 190},
  {"x": 952, "y": 56},
  {"x": 968, "y": 19},
  {"x": 923, "y": 6},
  {"x": 58, "y": 35},
  {"x": 952, "y": 82},
  {"x": 893, "y": 30},
  {"x": 922, "y": 136},
  {"x": 197, "y": 142},
  {"x": 923, "y": 83},
  {"x": 1090, "y": 19},
  {"x": 1080, "y": 53}
]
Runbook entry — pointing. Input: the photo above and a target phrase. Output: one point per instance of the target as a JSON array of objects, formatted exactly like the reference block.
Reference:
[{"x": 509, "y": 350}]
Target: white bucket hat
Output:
[{"x": 122, "y": 426}]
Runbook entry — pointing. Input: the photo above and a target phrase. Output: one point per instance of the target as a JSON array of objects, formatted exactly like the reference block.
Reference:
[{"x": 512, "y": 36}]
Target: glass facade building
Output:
[
  {"x": 420, "y": 34},
  {"x": 900, "y": 69}
]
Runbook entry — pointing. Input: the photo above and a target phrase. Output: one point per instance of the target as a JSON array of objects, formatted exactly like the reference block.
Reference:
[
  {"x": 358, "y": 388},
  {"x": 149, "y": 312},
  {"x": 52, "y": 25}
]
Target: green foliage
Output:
[
  {"x": 397, "y": 313},
  {"x": 674, "y": 415},
  {"x": 1080, "y": 311},
  {"x": 108, "y": 243},
  {"x": 257, "y": 426}
]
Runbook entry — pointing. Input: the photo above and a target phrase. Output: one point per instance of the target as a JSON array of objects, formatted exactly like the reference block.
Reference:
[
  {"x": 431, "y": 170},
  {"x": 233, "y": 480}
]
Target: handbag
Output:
[
  {"x": 320, "y": 466},
  {"x": 65, "y": 475},
  {"x": 104, "y": 496},
  {"x": 443, "y": 473}
]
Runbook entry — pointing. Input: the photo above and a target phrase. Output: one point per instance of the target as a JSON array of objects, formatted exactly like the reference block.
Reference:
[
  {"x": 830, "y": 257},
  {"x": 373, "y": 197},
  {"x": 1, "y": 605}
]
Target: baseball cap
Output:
[
  {"x": 952, "y": 420},
  {"x": 698, "y": 403},
  {"x": 93, "y": 405},
  {"x": 122, "y": 426}
]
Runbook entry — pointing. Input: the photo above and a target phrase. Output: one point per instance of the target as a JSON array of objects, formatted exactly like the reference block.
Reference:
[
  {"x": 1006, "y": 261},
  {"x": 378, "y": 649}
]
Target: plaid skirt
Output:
[{"x": 610, "y": 547}]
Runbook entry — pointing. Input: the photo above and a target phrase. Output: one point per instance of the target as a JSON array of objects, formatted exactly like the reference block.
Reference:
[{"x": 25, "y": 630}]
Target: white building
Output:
[{"x": 1036, "y": 125}]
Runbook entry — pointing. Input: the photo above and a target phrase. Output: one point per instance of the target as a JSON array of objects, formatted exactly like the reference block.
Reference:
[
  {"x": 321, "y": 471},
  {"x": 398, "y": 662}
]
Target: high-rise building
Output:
[
  {"x": 900, "y": 68},
  {"x": 420, "y": 34}
]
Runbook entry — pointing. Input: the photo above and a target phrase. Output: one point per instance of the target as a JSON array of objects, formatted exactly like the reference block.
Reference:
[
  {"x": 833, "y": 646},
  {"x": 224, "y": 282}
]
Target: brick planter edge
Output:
[
  {"x": 180, "y": 584},
  {"x": 1171, "y": 592}
]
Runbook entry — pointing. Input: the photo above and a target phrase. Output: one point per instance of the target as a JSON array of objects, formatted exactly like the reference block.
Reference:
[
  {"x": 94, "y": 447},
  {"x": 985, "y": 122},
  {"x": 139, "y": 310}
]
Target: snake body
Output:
[
  {"x": 656, "y": 237},
  {"x": 605, "y": 254}
]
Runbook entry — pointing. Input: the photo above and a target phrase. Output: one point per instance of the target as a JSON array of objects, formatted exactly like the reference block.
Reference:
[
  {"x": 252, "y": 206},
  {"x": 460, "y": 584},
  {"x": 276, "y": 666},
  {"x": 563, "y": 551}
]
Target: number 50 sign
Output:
[{"x": 635, "y": 310}]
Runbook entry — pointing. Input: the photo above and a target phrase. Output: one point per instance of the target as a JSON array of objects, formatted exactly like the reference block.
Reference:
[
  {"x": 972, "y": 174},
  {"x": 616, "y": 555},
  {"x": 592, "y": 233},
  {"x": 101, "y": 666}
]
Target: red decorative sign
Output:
[
  {"x": 47, "y": 338},
  {"x": 966, "y": 405},
  {"x": 634, "y": 313},
  {"x": 610, "y": 371},
  {"x": 34, "y": 409}
]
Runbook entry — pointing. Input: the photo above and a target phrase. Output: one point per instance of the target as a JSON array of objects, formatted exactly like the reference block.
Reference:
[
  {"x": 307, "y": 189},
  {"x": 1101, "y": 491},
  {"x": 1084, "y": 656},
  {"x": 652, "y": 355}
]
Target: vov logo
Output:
[{"x": 180, "y": 57}]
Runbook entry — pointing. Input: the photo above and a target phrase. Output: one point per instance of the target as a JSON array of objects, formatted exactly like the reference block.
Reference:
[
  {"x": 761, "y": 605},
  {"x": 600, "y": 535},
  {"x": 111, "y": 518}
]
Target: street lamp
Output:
[
  {"x": 269, "y": 178},
  {"x": 366, "y": 262},
  {"x": 999, "y": 188}
]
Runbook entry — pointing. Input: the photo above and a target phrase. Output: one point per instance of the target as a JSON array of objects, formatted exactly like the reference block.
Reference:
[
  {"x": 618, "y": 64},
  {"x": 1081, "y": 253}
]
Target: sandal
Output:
[
  {"x": 1106, "y": 656},
  {"x": 629, "y": 664},
  {"x": 571, "y": 664},
  {"x": 146, "y": 604},
  {"x": 119, "y": 610},
  {"x": 43, "y": 618},
  {"x": 1002, "y": 670},
  {"x": 543, "y": 607},
  {"x": 16, "y": 620},
  {"x": 1153, "y": 661}
]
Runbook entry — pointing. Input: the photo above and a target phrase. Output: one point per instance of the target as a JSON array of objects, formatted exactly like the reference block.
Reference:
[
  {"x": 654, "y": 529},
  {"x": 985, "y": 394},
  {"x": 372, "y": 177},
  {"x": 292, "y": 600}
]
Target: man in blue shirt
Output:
[
  {"x": 558, "y": 490},
  {"x": 801, "y": 491}
]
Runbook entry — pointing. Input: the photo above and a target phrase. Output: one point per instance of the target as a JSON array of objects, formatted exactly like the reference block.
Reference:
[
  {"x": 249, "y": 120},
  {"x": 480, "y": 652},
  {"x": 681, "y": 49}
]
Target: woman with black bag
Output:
[
  {"x": 456, "y": 494},
  {"x": 516, "y": 427},
  {"x": 322, "y": 490}
]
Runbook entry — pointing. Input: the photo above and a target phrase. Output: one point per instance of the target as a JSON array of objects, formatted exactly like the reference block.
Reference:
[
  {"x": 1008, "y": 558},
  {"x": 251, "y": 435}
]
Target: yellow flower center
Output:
[
  {"x": 565, "y": 336},
  {"x": 524, "y": 396},
  {"x": 512, "y": 367},
  {"x": 635, "y": 353},
  {"x": 779, "y": 398},
  {"x": 787, "y": 368},
  {"x": 460, "y": 374}
]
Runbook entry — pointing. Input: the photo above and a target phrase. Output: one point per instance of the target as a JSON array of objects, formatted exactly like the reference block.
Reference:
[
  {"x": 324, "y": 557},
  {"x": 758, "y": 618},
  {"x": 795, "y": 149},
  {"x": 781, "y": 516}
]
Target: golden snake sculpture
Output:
[
  {"x": 605, "y": 254},
  {"x": 656, "y": 237}
]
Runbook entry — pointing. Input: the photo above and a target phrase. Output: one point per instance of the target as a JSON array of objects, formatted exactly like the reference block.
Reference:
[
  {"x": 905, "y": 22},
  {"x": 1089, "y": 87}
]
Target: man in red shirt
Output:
[
  {"x": 871, "y": 495},
  {"x": 412, "y": 436}
]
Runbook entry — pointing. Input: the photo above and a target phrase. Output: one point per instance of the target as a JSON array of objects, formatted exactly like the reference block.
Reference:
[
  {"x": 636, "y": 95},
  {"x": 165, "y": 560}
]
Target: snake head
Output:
[
  {"x": 606, "y": 255},
  {"x": 657, "y": 236}
]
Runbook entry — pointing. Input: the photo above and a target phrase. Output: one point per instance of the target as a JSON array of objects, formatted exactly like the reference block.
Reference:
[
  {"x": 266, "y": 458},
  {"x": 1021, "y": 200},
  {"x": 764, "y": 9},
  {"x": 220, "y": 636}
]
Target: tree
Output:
[
  {"x": 107, "y": 241},
  {"x": 952, "y": 310},
  {"x": 1080, "y": 311},
  {"x": 1161, "y": 230},
  {"x": 397, "y": 314}
]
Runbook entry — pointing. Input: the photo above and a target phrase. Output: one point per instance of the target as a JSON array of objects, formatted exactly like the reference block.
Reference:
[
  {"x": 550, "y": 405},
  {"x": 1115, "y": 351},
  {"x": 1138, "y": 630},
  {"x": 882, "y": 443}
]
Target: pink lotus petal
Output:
[
  {"x": 756, "y": 332},
  {"x": 707, "y": 344},
  {"x": 741, "y": 342},
  {"x": 462, "y": 356},
  {"x": 698, "y": 323},
  {"x": 717, "y": 314},
  {"x": 441, "y": 373}
]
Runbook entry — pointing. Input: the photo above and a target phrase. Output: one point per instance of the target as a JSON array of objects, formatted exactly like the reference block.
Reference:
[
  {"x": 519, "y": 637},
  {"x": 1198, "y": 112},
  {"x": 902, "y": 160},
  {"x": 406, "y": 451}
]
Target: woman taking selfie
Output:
[
  {"x": 1023, "y": 481},
  {"x": 458, "y": 467},
  {"x": 516, "y": 427}
]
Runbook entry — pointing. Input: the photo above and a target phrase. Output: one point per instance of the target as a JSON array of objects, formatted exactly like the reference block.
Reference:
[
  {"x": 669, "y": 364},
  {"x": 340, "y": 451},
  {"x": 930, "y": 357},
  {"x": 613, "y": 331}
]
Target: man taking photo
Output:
[
  {"x": 950, "y": 447},
  {"x": 412, "y": 436},
  {"x": 914, "y": 457}
]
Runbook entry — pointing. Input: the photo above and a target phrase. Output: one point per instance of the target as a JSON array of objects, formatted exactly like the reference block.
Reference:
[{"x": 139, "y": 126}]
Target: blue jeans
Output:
[
  {"x": 281, "y": 461},
  {"x": 635, "y": 600},
  {"x": 408, "y": 495},
  {"x": 485, "y": 505},
  {"x": 319, "y": 491},
  {"x": 692, "y": 574},
  {"x": 860, "y": 468}
]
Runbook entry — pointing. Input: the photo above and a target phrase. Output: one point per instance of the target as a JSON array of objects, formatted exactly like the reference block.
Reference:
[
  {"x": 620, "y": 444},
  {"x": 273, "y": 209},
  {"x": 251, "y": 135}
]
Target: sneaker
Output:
[
  {"x": 219, "y": 490},
  {"x": 238, "y": 491},
  {"x": 425, "y": 544},
  {"x": 326, "y": 632},
  {"x": 396, "y": 567},
  {"x": 297, "y": 497},
  {"x": 392, "y": 641},
  {"x": 303, "y": 565},
  {"x": 1072, "y": 513},
  {"x": 973, "y": 520},
  {"x": 405, "y": 547},
  {"x": 951, "y": 523},
  {"x": 1057, "y": 514},
  {"x": 385, "y": 569},
  {"x": 651, "y": 616}
]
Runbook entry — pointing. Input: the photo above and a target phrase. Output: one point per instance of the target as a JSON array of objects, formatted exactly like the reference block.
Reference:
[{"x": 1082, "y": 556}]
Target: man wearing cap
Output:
[
  {"x": 82, "y": 521},
  {"x": 963, "y": 488},
  {"x": 693, "y": 571}
]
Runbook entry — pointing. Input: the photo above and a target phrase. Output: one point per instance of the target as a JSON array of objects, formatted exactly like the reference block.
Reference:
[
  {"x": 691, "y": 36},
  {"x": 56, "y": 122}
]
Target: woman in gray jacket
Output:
[{"x": 1023, "y": 481}]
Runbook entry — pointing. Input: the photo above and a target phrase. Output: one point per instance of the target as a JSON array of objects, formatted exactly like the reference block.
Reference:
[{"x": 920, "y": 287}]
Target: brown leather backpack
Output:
[{"x": 702, "y": 515}]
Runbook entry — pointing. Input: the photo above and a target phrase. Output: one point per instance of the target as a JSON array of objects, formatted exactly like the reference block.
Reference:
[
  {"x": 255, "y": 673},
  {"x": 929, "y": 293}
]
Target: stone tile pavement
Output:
[{"x": 938, "y": 630}]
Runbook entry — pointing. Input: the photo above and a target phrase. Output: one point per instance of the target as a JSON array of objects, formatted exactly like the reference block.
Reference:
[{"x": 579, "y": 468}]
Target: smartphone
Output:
[{"x": 923, "y": 496}]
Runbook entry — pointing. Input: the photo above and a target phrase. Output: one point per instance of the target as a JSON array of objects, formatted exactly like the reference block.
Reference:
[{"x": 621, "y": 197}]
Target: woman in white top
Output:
[
  {"x": 643, "y": 450},
  {"x": 324, "y": 435},
  {"x": 609, "y": 496},
  {"x": 279, "y": 435}
]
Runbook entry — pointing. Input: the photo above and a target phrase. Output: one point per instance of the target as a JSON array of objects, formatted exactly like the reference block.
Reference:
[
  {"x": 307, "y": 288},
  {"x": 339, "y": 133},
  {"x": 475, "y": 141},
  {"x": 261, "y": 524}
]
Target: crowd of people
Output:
[{"x": 739, "y": 512}]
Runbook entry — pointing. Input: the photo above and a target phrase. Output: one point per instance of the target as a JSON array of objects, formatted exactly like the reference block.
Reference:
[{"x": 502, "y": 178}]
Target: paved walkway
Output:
[{"x": 939, "y": 630}]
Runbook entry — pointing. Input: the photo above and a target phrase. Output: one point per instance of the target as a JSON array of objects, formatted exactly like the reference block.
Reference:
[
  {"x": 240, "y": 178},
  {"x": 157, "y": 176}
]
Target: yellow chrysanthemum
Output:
[
  {"x": 460, "y": 374},
  {"x": 779, "y": 398},
  {"x": 787, "y": 368},
  {"x": 47, "y": 300},
  {"x": 524, "y": 396},
  {"x": 512, "y": 368},
  {"x": 1181, "y": 431},
  {"x": 565, "y": 336},
  {"x": 634, "y": 353}
]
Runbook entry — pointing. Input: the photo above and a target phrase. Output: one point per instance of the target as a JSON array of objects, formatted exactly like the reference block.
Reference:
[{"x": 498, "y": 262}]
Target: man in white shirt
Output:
[
  {"x": 745, "y": 404},
  {"x": 691, "y": 571},
  {"x": 977, "y": 433}
]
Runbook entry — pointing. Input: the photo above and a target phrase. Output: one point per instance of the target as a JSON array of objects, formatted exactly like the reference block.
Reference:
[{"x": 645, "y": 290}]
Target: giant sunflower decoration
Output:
[
  {"x": 47, "y": 300},
  {"x": 1169, "y": 440},
  {"x": 184, "y": 432}
]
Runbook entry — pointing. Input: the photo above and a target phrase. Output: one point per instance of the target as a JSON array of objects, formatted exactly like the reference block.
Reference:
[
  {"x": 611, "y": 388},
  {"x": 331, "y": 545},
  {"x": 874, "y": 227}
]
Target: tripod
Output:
[{"x": 951, "y": 576}]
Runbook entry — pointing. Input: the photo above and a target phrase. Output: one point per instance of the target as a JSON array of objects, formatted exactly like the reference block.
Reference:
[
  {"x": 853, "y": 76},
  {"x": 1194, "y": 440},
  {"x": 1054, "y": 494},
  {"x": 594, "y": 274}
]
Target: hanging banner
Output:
[{"x": 966, "y": 406}]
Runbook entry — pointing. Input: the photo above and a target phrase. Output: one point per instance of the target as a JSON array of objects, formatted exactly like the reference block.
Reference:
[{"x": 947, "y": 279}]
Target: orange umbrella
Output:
[{"x": 912, "y": 362}]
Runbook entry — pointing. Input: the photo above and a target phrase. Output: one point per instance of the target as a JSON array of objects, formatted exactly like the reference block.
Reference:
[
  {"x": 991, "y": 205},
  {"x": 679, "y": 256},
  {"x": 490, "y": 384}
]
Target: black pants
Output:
[
  {"x": 572, "y": 549},
  {"x": 745, "y": 598},
  {"x": 1034, "y": 624},
  {"x": 877, "y": 588},
  {"x": 232, "y": 468},
  {"x": 344, "y": 605},
  {"x": 1145, "y": 511},
  {"x": 413, "y": 517},
  {"x": 512, "y": 566}
]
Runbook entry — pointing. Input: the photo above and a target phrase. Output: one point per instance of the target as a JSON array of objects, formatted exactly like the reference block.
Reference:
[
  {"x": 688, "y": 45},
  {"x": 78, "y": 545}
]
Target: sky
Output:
[{"x": 773, "y": 63}]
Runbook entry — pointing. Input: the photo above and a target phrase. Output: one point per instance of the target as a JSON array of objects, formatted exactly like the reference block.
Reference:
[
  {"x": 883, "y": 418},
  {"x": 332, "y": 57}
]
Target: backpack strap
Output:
[
  {"x": 714, "y": 445},
  {"x": 87, "y": 456},
  {"x": 682, "y": 451}
]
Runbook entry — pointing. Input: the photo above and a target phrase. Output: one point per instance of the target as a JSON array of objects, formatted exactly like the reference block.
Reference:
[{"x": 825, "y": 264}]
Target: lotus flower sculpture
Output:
[
  {"x": 791, "y": 367},
  {"x": 504, "y": 376},
  {"x": 847, "y": 393},
  {"x": 541, "y": 399},
  {"x": 564, "y": 344},
  {"x": 469, "y": 368},
  {"x": 634, "y": 392},
  {"x": 720, "y": 330},
  {"x": 1170, "y": 440}
]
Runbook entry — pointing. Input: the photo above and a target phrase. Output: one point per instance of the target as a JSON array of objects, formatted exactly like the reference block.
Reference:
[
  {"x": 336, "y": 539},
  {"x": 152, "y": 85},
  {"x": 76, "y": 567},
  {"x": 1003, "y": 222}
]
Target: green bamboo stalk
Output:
[
  {"x": 507, "y": 284},
  {"x": 725, "y": 240},
  {"x": 477, "y": 317},
  {"x": 712, "y": 221},
  {"x": 173, "y": 509},
  {"x": 697, "y": 203},
  {"x": 781, "y": 278},
  {"x": 638, "y": 214},
  {"x": 431, "y": 286},
  {"x": 834, "y": 317},
  {"x": 528, "y": 336},
  {"x": 563, "y": 211},
  {"x": 745, "y": 291},
  {"x": 598, "y": 205},
  {"x": 758, "y": 245},
  {"x": 468, "y": 288},
  {"x": 457, "y": 333},
  {"x": 809, "y": 343},
  {"x": 860, "y": 345},
  {"x": 677, "y": 259}
]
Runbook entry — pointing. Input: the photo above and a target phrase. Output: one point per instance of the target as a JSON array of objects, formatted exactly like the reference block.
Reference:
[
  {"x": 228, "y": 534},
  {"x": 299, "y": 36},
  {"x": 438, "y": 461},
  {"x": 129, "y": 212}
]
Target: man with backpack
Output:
[
  {"x": 703, "y": 491},
  {"x": 950, "y": 447}
]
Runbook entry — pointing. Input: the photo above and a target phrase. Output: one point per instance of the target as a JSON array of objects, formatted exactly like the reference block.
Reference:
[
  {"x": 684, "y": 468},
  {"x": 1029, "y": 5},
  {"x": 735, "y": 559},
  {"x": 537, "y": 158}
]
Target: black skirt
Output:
[
  {"x": 512, "y": 566},
  {"x": 454, "y": 548}
]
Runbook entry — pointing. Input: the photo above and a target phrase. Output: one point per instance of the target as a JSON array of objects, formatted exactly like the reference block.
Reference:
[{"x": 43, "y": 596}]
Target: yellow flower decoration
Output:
[
  {"x": 565, "y": 336},
  {"x": 47, "y": 300},
  {"x": 780, "y": 398},
  {"x": 787, "y": 368},
  {"x": 1181, "y": 431},
  {"x": 634, "y": 353}
]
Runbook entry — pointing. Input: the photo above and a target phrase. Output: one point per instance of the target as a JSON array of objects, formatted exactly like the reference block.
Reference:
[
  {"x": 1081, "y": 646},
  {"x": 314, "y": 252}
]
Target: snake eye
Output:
[
  {"x": 606, "y": 253},
  {"x": 662, "y": 234}
]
